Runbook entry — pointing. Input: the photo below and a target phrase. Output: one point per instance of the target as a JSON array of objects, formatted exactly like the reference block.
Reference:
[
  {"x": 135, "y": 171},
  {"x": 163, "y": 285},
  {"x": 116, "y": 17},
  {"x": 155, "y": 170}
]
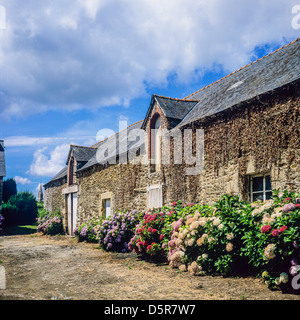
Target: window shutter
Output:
[{"x": 154, "y": 196}]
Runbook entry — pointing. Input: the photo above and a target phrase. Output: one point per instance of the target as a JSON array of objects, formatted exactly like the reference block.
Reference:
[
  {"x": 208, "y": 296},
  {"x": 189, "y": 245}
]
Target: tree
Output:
[
  {"x": 9, "y": 189},
  {"x": 20, "y": 209}
]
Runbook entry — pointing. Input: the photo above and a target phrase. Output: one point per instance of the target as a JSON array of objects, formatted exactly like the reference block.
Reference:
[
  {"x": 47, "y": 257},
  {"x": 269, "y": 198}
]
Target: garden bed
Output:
[{"x": 230, "y": 238}]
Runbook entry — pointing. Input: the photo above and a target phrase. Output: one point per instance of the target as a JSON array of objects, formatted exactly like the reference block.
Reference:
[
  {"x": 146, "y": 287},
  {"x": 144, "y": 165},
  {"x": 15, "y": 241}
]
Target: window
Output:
[
  {"x": 71, "y": 173},
  {"x": 156, "y": 145},
  {"x": 107, "y": 207},
  {"x": 106, "y": 204},
  {"x": 261, "y": 188},
  {"x": 154, "y": 196}
]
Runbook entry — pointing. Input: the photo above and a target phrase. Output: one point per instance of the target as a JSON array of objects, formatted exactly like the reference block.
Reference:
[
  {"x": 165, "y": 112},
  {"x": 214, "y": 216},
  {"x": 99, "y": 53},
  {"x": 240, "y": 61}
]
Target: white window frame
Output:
[
  {"x": 264, "y": 191},
  {"x": 103, "y": 197},
  {"x": 105, "y": 207},
  {"x": 160, "y": 195}
]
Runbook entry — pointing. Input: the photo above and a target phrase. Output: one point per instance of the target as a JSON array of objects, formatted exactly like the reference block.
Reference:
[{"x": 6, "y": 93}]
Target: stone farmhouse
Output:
[
  {"x": 245, "y": 127},
  {"x": 2, "y": 170}
]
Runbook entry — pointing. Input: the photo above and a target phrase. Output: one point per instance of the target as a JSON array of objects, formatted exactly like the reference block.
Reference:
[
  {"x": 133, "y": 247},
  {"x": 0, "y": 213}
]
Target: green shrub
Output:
[
  {"x": 42, "y": 212},
  {"x": 20, "y": 209},
  {"x": 10, "y": 214},
  {"x": 9, "y": 189},
  {"x": 50, "y": 224}
]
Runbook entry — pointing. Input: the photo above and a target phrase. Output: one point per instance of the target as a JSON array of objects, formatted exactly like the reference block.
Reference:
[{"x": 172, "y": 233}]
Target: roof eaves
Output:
[{"x": 148, "y": 112}]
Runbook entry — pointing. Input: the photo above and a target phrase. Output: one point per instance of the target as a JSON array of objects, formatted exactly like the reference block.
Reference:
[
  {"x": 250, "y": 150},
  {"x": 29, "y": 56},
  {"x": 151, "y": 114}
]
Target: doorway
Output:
[{"x": 72, "y": 212}]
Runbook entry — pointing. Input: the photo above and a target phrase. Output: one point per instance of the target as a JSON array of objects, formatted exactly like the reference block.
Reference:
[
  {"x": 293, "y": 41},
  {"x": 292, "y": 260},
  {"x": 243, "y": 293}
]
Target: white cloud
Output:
[
  {"x": 80, "y": 133},
  {"x": 21, "y": 141},
  {"x": 48, "y": 163},
  {"x": 68, "y": 55},
  {"x": 92, "y": 7},
  {"x": 21, "y": 180},
  {"x": 24, "y": 141}
]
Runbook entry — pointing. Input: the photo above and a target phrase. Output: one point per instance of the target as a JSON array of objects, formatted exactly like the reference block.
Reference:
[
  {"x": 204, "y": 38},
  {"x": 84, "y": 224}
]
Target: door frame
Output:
[{"x": 71, "y": 212}]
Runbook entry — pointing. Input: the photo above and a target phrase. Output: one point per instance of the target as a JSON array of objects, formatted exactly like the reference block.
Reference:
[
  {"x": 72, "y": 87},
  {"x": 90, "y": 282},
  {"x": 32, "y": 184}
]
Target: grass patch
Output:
[{"x": 19, "y": 230}]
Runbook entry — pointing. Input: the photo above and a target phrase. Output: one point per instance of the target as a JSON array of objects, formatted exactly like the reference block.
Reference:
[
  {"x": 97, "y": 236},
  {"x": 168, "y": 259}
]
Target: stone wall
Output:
[
  {"x": 262, "y": 137},
  {"x": 125, "y": 183},
  {"x": 54, "y": 198}
]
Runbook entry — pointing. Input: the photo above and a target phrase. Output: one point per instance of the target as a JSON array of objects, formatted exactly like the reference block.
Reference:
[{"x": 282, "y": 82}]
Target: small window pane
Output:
[
  {"x": 258, "y": 196},
  {"x": 268, "y": 183},
  {"x": 268, "y": 195},
  {"x": 107, "y": 208},
  {"x": 258, "y": 184}
]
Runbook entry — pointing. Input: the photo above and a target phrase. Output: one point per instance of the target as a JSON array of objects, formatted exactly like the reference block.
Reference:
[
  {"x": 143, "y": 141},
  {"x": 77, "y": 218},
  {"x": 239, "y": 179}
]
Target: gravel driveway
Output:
[{"x": 58, "y": 268}]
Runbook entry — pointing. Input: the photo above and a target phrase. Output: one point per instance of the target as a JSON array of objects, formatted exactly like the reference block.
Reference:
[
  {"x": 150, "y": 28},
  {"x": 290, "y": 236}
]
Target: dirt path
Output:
[{"x": 41, "y": 267}]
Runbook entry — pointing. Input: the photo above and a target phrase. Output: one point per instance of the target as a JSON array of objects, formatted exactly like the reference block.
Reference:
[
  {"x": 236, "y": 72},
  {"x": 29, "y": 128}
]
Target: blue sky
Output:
[{"x": 72, "y": 67}]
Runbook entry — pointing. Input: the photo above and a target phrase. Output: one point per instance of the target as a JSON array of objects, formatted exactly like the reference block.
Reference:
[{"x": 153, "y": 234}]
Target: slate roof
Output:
[
  {"x": 113, "y": 143},
  {"x": 2, "y": 160},
  {"x": 82, "y": 154},
  {"x": 172, "y": 108},
  {"x": 175, "y": 108},
  {"x": 88, "y": 154},
  {"x": 60, "y": 175},
  {"x": 264, "y": 75}
]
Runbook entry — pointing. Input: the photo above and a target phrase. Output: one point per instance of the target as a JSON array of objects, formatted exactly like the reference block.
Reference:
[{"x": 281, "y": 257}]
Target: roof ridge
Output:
[
  {"x": 177, "y": 99},
  {"x": 92, "y": 146},
  {"x": 249, "y": 64},
  {"x": 74, "y": 145}
]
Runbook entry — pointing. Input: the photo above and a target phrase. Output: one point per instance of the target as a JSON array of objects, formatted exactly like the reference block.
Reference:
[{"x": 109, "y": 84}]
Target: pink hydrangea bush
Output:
[
  {"x": 263, "y": 237},
  {"x": 153, "y": 233},
  {"x": 272, "y": 245},
  {"x": 88, "y": 230},
  {"x": 210, "y": 238},
  {"x": 148, "y": 238},
  {"x": 50, "y": 224}
]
